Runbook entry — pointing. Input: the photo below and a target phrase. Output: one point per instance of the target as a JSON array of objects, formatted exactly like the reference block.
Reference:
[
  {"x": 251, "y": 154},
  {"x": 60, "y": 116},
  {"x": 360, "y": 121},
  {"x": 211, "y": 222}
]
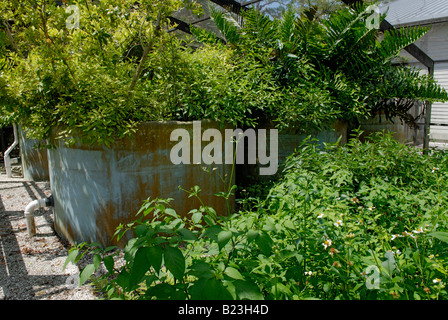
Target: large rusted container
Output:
[
  {"x": 34, "y": 158},
  {"x": 96, "y": 188},
  {"x": 400, "y": 131},
  {"x": 288, "y": 142}
]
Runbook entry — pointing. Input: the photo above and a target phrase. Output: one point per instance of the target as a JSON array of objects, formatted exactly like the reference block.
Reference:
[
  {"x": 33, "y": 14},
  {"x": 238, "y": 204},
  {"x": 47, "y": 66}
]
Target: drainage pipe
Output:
[
  {"x": 29, "y": 212},
  {"x": 7, "y": 152}
]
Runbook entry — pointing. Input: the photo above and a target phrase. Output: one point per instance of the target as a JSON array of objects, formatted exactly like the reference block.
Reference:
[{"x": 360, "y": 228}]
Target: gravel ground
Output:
[{"x": 31, "y": 267}]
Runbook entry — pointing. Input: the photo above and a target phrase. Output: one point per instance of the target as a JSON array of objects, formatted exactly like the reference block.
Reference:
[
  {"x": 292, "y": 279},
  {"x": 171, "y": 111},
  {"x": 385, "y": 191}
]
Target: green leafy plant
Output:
[
  {"x": 366, "y": 220},
  {"x": 333, "y": 67}
]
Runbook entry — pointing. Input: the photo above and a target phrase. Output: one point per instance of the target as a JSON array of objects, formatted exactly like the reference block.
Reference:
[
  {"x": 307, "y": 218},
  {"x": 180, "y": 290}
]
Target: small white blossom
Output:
[
  {"x": 327, "y": 243},
  {"x": 419, "y": 230},
  {"x": 394, "y": 236},
  {"x": 308, "y": 273},
  {"x": 338, "y": 223},
  {"x": 406, "y": 233}
]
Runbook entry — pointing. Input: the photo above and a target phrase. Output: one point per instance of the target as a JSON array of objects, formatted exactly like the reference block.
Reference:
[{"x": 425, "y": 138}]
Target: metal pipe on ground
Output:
[
  {"x": 6, "y": 157},
  {"x": 29, "y": 212}
]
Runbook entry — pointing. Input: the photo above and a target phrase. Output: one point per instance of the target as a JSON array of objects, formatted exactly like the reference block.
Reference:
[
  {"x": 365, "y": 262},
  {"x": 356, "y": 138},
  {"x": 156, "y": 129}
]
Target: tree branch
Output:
[
  {"x": 146, "y": 51},
  {"x": 11, "y": 38}
]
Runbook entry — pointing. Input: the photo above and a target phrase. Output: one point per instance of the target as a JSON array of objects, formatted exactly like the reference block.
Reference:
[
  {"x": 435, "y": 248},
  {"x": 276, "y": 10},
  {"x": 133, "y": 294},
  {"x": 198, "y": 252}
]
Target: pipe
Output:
[
  {"x": 29, "y": 212},
  {"x": 7, "y": 152}
]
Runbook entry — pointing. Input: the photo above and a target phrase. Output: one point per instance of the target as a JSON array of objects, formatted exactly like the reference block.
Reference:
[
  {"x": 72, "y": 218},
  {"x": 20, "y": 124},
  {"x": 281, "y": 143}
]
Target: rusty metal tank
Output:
[
  {"x": 96, "y": 188},
  {"x": 34, "y": 158},
  {"x": 288, "y": 142}
]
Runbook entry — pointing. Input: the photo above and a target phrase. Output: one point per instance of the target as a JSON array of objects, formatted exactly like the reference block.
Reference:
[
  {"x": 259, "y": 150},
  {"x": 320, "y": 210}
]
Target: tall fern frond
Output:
[
  {"x": 227, "y": 25},
  {"x": 340, "y": 28},
  {"x": 286, "y": 27},
  {"x": 396, "y": 40},
  {"x": 403, "y": 82},
  {"x": 203, "y": 35},
  {"x": 259, "y": 27}
]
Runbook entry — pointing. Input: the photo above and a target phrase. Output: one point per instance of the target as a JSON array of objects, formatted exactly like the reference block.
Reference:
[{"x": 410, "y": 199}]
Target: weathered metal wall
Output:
[
  {"x": 400, "y": 131},
  {"x": 96, "y": 188},
  {"x": 34, "y": 158},
  {"x": 288, "y": 142}
]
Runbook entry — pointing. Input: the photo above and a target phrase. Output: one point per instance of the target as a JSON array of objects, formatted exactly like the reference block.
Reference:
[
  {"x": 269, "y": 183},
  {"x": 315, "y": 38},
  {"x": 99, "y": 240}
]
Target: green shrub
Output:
[{"x": 360, "y": 221}]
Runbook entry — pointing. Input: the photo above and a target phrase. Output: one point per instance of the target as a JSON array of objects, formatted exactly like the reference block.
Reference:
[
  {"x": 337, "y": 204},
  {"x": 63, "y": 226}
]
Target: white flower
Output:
[
  {"x": 338, "y": 223},
  {"x": 437, "y": 280},
  {"x": 419, "y": 230},
  {"x": 406, "y": 233},
  {"x": 320, "y": 216},
  {"x": 434, "y": 169},
  {"x": 327, "y": 243},
  {"x": 431, "y": 256},
  {"x": 308, "y": 273},
  {"x": 371, "y": 208}
]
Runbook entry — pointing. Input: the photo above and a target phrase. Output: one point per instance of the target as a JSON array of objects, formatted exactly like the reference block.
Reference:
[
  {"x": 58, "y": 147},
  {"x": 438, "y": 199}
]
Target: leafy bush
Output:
[
  {"x": 332, "y": 67},
  {"x": 122, "y": 67},
  {"x": 360, "y": 221}
]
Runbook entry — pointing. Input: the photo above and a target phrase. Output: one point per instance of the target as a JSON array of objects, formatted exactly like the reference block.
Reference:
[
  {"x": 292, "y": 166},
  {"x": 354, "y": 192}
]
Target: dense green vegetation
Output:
[
  {"x": 359, "y": 221},
  {"x": 122, "y": 66}
]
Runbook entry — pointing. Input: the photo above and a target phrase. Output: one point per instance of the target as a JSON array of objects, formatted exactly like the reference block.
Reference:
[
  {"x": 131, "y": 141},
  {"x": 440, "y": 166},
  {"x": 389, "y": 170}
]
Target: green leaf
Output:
[
  {"x": 264, "y": 242},
  {"x": 162, "y": 291},
  {"x": 109, "y": 263},
  {"x": 139, "y": 267},
  {"x": 209, "y": 220},
  {"x": 197, "y": 216},
  {"x": 154, "y": 256},
  {"x": 201, "y": 270},
  {"x": 247, "y": 290},
  {"x": 223, "y": 238},
  {"x": 233, "y": 273},
  {"x": 389, "y": 263},
  {"x": 280, "y": 288},
  {"x": 442, "y": 236},
  {"x": 97, "y": 261},
  {"x": 86, "y": 273},
  {"x": 140, "y": 230},
  {"x": 212, "y": 232},
  {"x": 171, "y": 212},
  {"x": 187, "y": 235},
  {"x": 175, "y": 262},
  {"x": 252, "y": 235},
  {"x": 209, "y": 289},
  {"x": 71, "y": 257}
]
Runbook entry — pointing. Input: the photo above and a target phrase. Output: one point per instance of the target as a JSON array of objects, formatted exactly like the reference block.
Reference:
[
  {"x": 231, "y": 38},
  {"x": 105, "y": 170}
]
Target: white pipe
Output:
[
  {"x": 7, "y": 152},
  {"x": 29, "y": 214}
]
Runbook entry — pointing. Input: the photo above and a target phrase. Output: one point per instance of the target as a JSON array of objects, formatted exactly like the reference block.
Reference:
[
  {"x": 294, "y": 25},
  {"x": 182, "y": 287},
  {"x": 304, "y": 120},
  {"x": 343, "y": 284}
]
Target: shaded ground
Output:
[{"x": 31, "y": 267}]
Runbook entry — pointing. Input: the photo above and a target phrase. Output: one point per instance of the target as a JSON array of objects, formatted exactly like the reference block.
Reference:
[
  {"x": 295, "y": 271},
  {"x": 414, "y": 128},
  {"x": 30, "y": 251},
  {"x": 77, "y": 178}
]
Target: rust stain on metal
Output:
[
  {"x": 34, "y": 158},
  {"x": 105, "y": 187}
]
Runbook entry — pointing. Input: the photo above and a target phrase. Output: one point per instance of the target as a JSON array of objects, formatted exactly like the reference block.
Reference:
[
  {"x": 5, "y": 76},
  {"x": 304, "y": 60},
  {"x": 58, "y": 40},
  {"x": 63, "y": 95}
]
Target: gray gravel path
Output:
[{"x": 31, "y": 267}]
